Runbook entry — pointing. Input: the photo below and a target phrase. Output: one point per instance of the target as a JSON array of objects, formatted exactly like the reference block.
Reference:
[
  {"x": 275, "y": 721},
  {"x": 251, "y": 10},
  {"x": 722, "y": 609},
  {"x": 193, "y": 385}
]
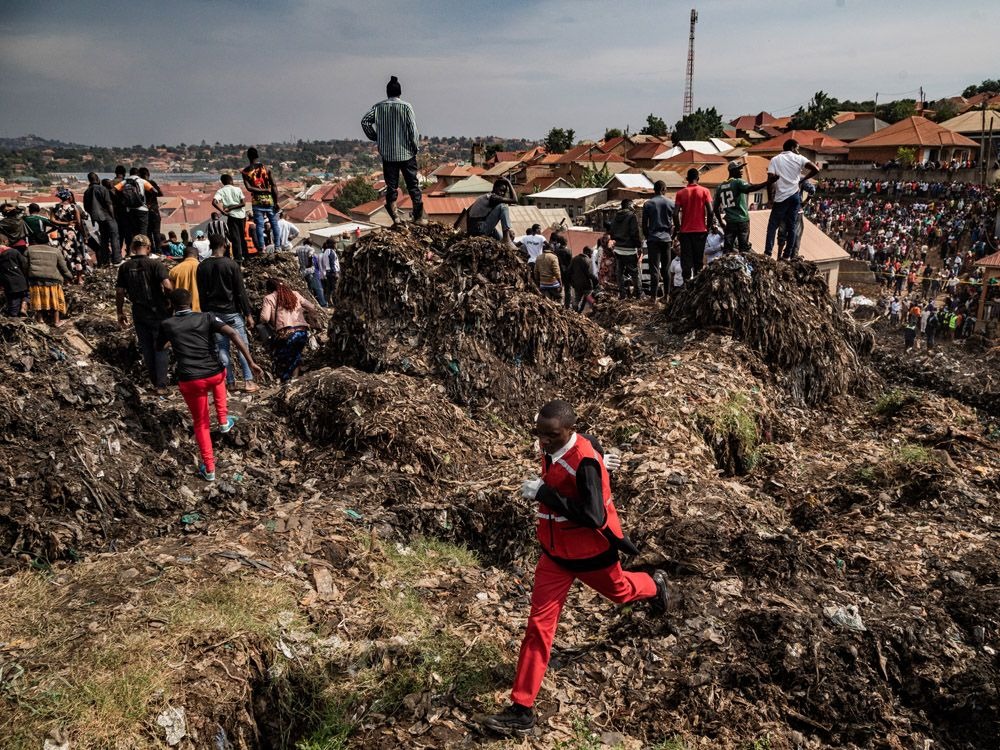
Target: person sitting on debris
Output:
[
  {"x": 714, "y": 244},
  {"x": 144, "y": 281},
  {"x": 624, "y": 230},
  {"x": 547, "y": 273},
  {"x": 581, "y": 537},
  {"x": 392, "y": 126},
  {"x": 491, "y": 209},
  {"x": 312, "y": 266},
  {"x": 582, "y": 278},
  {"x": 285, "y": 310},
  {"x": 13, "y": 278},
  {"x": 191, "y": 336}
]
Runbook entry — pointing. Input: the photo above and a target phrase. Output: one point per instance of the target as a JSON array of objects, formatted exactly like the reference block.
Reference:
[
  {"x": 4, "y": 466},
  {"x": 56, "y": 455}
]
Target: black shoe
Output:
[
  {"x": 514, "y": 720},
  {"x": 661, "y": 602}
]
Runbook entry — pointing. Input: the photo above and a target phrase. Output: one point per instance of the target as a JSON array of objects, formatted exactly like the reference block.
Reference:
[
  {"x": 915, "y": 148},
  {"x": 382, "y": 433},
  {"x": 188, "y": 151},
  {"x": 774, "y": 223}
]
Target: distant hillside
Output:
[{"x": 33, "y": 141}]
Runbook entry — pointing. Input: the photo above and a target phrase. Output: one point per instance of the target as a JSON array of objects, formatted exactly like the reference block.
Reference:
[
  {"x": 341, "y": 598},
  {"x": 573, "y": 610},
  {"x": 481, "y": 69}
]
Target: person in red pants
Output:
[
  {"x": 191, "y": 336},
  {"x": 580, "y": 534}
]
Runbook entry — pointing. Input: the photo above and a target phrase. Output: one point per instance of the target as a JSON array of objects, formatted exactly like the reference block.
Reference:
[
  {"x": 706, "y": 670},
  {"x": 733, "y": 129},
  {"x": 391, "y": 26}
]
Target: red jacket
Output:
[{"x": 560, "y": 538}]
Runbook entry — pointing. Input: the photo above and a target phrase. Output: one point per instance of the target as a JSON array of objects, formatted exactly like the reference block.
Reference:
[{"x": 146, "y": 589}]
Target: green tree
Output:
[
  {"x": 492, "y": 150},
  {"x": 989, "y": 86},
  {"x": 906, "y": 156},
  {"x": 817, "y": 115},
  {"x": 655, "y": 126},
  {"x": 699, "y": 125},
  {"x": 355, "y": 192},
  {"x": 559, "y": 141},
  {"x": 944, "y": 110},
  {"x": 592, "y": 177},
  {"x": 897, "y": 110},
  {"x": 612, "y": 133}
]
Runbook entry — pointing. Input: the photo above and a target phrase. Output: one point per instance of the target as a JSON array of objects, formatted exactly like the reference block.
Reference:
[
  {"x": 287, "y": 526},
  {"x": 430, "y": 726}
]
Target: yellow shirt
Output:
[{"x": 183, "y": 277}]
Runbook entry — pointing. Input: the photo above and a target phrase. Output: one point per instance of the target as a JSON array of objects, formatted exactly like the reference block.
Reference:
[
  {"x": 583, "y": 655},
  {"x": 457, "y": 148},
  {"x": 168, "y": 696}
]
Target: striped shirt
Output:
[{"x": 391, "y": 125}]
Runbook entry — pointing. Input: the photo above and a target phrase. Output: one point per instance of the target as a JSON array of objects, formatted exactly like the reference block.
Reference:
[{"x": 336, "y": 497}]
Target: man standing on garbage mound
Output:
[{"x": 580, "y": 535}]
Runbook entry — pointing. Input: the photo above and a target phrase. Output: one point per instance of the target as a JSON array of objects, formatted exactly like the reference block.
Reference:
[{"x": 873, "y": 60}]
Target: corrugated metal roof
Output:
[
  {"x": 567, "y": 193},
  {"x": 631, "y": 181},
  {"x": 972, "y": 122}
]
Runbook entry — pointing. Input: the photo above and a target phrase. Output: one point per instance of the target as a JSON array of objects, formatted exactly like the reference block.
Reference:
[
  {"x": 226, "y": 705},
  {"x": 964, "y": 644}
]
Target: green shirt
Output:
[{"x": 731, "y": 195}]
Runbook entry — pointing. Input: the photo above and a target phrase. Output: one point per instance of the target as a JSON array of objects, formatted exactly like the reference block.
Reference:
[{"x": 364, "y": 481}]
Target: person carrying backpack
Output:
[{"x": 132, "y": 191}]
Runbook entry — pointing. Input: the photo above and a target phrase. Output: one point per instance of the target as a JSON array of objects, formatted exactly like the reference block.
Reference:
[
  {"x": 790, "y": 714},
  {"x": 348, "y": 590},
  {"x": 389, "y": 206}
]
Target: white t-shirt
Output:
[
  {"x": 713, "y": 247},
  {"x": 788, "y": 165},
  {"x": 203, "y": 248},
  {"x": 533, "y": 244},
  {"x": 677, "y": 272}
]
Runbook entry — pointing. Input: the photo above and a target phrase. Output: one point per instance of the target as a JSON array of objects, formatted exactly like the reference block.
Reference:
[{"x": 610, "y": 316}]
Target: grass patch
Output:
[
  {"x": 892, "y": 402},
  {"x": 94, "y": 648},
  {"x": 731, "y": 427},
  {"x": 431, "y": 656}
]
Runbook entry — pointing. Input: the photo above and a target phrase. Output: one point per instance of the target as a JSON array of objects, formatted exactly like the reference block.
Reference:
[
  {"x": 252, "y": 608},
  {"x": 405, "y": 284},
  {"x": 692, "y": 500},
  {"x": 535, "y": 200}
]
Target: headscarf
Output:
[{"x": 64, "y": 194}]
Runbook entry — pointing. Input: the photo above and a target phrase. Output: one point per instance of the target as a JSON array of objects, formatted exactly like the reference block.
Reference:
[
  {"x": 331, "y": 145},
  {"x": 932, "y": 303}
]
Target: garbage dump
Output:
[
  {"x": 831, "y": 541},
  {"x": 784, "y": 312}
]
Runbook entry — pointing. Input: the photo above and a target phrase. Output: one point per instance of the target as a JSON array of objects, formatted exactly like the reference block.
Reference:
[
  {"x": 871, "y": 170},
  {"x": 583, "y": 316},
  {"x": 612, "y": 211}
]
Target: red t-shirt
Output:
[{"x": 692, "y": 201}]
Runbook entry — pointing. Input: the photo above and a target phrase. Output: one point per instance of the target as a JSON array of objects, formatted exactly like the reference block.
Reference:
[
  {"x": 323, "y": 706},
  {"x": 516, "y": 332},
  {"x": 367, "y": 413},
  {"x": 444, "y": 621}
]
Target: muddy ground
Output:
[{"x": 825, "y": 505}]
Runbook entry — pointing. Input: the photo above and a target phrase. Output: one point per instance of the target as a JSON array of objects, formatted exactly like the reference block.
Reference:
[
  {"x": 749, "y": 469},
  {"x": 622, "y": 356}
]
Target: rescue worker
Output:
[{"x": 578, "y": 529}]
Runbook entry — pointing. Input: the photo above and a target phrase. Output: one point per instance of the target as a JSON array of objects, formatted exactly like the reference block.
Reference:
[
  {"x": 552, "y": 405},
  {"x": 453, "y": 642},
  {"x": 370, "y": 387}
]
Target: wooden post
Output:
[{"x": 990, "y": 274}]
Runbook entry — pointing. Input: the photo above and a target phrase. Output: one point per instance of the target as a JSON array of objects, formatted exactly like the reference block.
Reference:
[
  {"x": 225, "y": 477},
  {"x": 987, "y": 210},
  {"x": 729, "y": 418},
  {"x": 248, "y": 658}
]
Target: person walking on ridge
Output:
[{"x": 191, "y": 335}]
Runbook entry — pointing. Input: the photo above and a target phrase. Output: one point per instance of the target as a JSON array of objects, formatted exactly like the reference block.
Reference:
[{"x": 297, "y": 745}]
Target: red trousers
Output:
[
  {"x": 195, "y": 394},
  {"x": 552, "y": 583}
]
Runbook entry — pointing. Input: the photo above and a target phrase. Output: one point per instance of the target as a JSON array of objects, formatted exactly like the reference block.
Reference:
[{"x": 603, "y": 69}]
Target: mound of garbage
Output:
[
  {"x": 465, "y": 312},
  {"x": 784, "y": 312}
]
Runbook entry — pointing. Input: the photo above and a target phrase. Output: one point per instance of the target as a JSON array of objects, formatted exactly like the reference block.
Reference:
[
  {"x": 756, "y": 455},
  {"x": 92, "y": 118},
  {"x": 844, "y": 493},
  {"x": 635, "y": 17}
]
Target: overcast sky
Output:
[{"x": 119, "y": 73}]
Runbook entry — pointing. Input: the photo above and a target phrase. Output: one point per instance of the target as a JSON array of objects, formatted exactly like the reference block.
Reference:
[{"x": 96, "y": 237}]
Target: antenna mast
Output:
[{"x": 689, "y": 78}]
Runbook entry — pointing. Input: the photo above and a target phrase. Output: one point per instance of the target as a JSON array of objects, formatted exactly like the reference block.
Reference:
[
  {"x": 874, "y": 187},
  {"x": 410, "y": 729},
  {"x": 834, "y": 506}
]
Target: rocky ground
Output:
[{"x": 359, "y": 575}]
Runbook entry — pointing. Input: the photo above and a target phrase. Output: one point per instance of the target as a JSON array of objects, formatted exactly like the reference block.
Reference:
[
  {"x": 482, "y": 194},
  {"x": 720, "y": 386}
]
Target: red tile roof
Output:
[
  {"x": 367, "y": 209},
  {"x": 808, "y": 139},
  {"x": 913, "y": 131},
  {"x": 457, "y": 170},
  {"x": 752, "y": 122},
  {"x": 647, "y": 150},
  {"x": 440, "y": 206},
  {"x": 991, "y": 261}
]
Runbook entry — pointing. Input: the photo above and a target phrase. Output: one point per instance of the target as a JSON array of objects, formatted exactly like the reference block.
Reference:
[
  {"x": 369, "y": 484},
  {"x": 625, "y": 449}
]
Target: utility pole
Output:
[
  {"x": 689, "y": 78},
  {"x": 875, "y": 112}
]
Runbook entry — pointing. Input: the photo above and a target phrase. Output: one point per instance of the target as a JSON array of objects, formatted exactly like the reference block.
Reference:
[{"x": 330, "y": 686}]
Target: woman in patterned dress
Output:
[{"x": 73, "y": 236}]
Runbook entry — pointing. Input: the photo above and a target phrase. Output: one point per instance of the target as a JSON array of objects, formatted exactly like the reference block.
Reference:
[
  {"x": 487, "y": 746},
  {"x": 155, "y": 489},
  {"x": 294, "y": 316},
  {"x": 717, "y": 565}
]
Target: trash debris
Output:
[
  {"x": 846, "y": 617},
  {"x": 172, "y": 719}
]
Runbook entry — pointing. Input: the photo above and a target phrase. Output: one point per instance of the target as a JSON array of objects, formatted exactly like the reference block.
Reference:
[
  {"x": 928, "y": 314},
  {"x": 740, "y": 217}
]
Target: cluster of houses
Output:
[{"x": 580, "y": 188}]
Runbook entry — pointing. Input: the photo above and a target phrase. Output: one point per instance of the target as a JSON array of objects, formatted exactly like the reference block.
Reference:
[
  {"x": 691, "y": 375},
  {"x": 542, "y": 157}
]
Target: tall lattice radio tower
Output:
[{"x": 689, "y": 78}]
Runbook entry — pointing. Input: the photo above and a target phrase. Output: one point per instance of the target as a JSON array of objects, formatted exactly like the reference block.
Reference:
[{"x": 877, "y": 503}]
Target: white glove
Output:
[
  {"x": 530, "y": 488},
  {"x": 612, "y": 461}
]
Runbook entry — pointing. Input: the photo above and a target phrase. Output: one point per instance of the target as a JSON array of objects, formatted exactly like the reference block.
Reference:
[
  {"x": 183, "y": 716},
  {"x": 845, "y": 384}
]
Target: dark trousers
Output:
[
  {"x": 784, "y": 213},
  {"x": 15, "y": 301},
  {"x": 692, "y": 252},
  {"x": 737, "y": 236},
  {"x": 627, "y": 273},
  {"x": 153, "y": 228},
  {"x": 111, "y": 243},
  {"x": 154, "y": 360},
  {"x": 121, "y": 220},
  {"x": 658, "y": 252},
  {"x": 391, "y": 170},
  {"x": 553, "y": 293},
  {"x": 138, "y": 223},
  {"x": 330, "y": 287},
  {"x": 238, "y": 236}
]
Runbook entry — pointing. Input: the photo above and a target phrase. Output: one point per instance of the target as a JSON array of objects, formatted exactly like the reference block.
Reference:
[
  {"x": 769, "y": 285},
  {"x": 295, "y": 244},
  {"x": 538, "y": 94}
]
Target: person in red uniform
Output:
[{"x": 580, "y": 535}]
